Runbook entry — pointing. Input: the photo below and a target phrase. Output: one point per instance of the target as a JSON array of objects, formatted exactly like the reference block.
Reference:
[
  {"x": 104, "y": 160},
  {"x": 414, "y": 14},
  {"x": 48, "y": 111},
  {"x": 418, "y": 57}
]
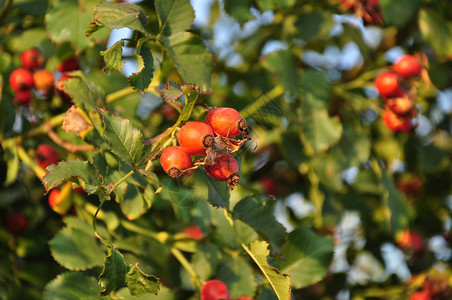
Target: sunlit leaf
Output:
[
  {"x": 191, "y": 58},
  {"x": 174, "y": 15},
  {"x": 66, "y": 20},
  {"x": 76, "y": 250},
  {"x": 125, "y": 139},
  {"x": 113, "y": 57},
  {"x": 113, "y": 274},
  {"x": 72, "y": 286},
  {"x": 117, "y": 15}
]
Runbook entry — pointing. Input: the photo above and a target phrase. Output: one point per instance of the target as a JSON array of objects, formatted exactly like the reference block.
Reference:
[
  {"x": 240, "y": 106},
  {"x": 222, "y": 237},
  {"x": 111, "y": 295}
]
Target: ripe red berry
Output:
[
  {"x": 421, "y": 295},
  {"x": 395, "y": 122},
  {"x": 244, "y": 298},
  {"x": 193, "y": 232},
  {"x": 32, "y": 59},
  {"x": 194, "y": 137},
  {"x": 224, "y": 167},
  {"x": 21, "y": 79},
  {"x": 387, "y": 84},
  {"x": 226, "y": 122},
  {"x": 43, "y": 80},
  {"x": 23, "y": 97},
  {"x": 69, "y": 64},
  {"x": 214, "y": 290},
  {"x": 60, "y": 92},
  {"x": 16, "y": 223},
  {"x": 46, "y": 155},
  {"x": 175, "y": 161},
  {"x": 401, "y": 104},
  {"x": 410, "y": 240},
  {"x": 54, "y": 197},
  {"x": 407, "y": 66}
]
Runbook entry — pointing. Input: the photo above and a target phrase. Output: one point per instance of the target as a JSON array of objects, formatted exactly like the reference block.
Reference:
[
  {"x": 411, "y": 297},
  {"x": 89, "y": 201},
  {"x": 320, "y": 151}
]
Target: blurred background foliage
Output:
[{"x": 302, "y": 74}]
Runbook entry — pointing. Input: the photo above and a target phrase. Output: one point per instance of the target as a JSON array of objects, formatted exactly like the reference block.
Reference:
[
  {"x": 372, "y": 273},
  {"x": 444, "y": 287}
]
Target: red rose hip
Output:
[
  {"x": 407, "y": 66},
  {"x": 193, "y": 232},
  {"x": 32, "y": 59},
  {"x": 195, "y": 137},
  {"x": 224, "y": 168},
  {"x": 21, "y": 79},
  {"x": 214, "y": 290},
  {"x": 421, "y": 295},
  {"x": 69, "y": 64},
  {"x": 387, "y": 84},
  {"x": 23, "y": 97},
  {"x": 395, "y": 122},
  {"x": 43, "y": 80},
  {"x": 46, "y": 155},
  {"x": 175, "y": 161},
  {"x": 226, "y": 122}
]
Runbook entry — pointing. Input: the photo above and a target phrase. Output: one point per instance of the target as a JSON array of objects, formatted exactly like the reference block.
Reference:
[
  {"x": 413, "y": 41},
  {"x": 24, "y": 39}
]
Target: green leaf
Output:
[
  {"x": 285, "y": 3},
  {"x": 218, "y": 193},
  {"x": 118, "y": 15},
  {"x": 436, "y": 31},
  {"x": 399, "y": 13},
  {"x": 319, "y": 130},
  {"x": 76, "y": 250},
  {"x": 72, "y": 286},
  {"x": 27, "y": 39},
  {"x": 239, "y": 276},
  {"x": 133, "y": 202},
  {"x": 316, "y": 89},
  {"x": 125, "y": 139},
  {"x": 82, "y": 92},
  {"x": 140, "y": 283},
  {"x": 399, "y": 209},
  {"x": 80, "y": 13},
  {"x": 113, "y": 57},
  {"x": 191, "y": 58},
  {"x": 174, "y": 16},
  {"x": 239, "y": 9},
  {"x": 307, "y": 257},
  {"x": 143, "y": 77},
  {"x": 279, "y": 282},
  {"x": 12, "y": 159},
  {"x": 258, "y": 212},
  {"x": 69, "y": 170},
  {"x": 283, "y": 63},
  {"x": 205, "y": 261},
  {"x": 113, "y": 274},
  {"x": 172, "y": 91},
  {"x": 314, "y": 25}
]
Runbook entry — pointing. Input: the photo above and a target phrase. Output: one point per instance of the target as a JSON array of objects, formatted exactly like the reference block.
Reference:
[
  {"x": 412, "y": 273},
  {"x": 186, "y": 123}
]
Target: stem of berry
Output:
[
  {"x": 197, "y": 282},
  {"x": 26, "y": 159}
]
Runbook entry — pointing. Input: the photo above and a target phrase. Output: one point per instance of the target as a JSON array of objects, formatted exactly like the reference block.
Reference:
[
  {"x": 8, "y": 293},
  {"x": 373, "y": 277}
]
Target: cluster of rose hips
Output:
[
  {"x": 32, "y": 75},
  {"x": 217, "y": 290},
  {"x": 218, "y": 132},
  {"x": 395, "y": 87}
]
